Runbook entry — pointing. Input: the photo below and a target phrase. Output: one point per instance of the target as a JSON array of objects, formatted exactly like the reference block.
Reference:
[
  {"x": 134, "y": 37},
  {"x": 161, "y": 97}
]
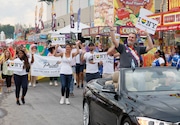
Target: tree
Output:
[{"x": 8, "y": 30}]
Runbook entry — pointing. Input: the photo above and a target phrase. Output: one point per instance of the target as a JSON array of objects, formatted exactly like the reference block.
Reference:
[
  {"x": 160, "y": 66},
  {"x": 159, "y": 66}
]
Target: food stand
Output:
[
  {"x": 168, "y": 28},
  {"x": 99, "y": 34}
]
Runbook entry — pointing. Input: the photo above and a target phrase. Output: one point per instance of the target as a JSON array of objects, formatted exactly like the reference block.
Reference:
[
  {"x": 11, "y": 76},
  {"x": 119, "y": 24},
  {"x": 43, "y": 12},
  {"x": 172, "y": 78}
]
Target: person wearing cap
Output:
[
  {"x": 159, "y": 60},
  {"x": 130, "y": 53},
  {"x": 91, "y": 67}
]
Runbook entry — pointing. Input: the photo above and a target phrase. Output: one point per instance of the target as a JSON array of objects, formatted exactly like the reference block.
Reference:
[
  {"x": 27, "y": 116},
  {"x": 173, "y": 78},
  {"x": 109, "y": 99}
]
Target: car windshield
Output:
[{"x": 152, "y": 79}]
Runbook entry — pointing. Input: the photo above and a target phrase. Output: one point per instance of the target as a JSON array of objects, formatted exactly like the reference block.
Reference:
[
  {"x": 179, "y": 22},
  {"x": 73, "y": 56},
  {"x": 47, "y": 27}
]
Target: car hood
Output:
[{"x": 161, "y": 105}]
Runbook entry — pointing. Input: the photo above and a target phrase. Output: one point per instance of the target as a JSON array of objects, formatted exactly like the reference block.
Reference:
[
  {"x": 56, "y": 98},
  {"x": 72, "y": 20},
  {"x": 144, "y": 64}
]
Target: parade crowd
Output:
[{"x": 77, "y": 60}]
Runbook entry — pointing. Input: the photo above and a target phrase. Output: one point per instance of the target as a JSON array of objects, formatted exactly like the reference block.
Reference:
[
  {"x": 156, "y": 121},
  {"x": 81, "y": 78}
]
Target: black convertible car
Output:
[{"x": 145, "y": 96}]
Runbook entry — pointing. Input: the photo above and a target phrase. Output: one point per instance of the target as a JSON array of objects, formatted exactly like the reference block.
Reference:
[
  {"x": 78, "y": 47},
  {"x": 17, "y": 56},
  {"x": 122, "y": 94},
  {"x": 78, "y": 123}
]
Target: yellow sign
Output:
[{"x": 173, "y": 4}]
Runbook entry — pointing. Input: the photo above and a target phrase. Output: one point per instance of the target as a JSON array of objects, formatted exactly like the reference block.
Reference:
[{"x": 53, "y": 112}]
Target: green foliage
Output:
[{"x": 8, "y": 30}]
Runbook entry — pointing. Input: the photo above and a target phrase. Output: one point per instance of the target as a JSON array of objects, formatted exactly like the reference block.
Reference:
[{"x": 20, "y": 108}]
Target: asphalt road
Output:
[{"x": 42, "y": 107}]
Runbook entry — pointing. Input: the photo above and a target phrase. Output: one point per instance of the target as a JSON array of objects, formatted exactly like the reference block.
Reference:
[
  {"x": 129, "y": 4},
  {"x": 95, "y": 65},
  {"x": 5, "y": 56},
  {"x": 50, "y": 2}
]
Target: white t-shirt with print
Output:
[
  {"x": 108, "y": 65},
  {"x": 90, "y": 68}
]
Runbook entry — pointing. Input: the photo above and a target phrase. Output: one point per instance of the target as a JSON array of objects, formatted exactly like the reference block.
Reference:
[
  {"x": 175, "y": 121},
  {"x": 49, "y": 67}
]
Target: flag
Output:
[
  {"x": 71, "y": 15},
  {"x": 78, "y": 18}
]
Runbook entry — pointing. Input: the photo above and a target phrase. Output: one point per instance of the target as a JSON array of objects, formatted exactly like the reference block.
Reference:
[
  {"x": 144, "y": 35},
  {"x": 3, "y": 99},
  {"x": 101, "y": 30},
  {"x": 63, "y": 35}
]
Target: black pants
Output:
[
  {"x": 21, "y": 81},
  {"x": 91, "y": 76},
  {"x": 53, "y": 78},
  {"x": 8, "y": 80}
]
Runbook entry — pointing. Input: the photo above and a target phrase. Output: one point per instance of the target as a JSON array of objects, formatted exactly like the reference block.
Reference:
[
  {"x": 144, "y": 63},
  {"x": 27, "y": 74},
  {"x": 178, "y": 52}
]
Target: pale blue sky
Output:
[{"x": 18, "y": 11}]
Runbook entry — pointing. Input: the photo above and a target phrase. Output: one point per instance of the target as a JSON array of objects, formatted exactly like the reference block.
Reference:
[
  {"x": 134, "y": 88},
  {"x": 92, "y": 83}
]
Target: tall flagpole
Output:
[{"x": 53, "y": 16}]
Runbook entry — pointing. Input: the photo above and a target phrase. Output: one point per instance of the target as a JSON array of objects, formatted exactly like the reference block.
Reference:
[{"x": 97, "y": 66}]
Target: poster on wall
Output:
[
  {"x": 126, "y": 12},
  {"x": 103, "y": 12}
]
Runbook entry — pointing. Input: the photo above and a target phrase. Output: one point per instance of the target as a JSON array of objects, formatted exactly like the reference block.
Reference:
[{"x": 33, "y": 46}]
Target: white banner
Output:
[
  {"x": 58, "y": 39},
  {"x": 15, "y": 65},
  {"x": 47, "y": 66},
  {"x": 146, "y": 24},
  {"x": 97, "y": 57}
]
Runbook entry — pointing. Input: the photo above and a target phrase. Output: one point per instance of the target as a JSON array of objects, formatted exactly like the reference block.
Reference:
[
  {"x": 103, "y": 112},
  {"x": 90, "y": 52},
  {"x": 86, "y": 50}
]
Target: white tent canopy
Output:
[{"x": 68, "y": 28}]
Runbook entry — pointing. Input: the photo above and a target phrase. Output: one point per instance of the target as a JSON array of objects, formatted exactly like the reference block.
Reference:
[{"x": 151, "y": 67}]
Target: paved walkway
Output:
[{"x": 42, "y": 107}]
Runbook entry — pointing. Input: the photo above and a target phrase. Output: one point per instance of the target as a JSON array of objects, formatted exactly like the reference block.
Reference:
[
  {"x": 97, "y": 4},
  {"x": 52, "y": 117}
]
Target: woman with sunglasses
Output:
[{"x": 159, "y": 59}]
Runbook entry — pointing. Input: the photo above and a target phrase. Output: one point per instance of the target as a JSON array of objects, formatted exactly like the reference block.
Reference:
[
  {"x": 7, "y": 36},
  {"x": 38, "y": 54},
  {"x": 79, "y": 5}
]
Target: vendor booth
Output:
[{"x": 168, "y": 27}]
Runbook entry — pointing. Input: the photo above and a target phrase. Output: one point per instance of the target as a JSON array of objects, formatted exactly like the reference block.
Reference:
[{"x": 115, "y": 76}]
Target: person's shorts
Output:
[
  {"x": 91, "y": 76},
  {"x": 74, "y": 69},
  {"x": 79, "y": 68}
]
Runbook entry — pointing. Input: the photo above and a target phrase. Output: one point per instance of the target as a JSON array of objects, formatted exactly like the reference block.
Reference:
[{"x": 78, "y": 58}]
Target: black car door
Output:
[{"x": 104, "y": 111}]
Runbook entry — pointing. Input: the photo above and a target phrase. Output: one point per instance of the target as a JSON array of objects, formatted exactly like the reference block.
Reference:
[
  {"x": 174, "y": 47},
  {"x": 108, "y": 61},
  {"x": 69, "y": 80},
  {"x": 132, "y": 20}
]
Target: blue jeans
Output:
[{"x": 65, "y": 84}]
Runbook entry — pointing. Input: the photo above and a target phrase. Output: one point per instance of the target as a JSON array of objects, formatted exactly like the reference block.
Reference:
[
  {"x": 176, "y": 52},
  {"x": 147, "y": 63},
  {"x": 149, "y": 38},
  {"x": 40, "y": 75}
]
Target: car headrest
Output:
[{"x": 115, "y": 77}]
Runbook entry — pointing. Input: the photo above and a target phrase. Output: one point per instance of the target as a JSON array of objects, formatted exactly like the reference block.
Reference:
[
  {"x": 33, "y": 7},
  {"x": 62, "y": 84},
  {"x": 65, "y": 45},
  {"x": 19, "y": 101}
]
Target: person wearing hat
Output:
[
  {"x": 51, "y": 50},
  {"x": 92, "y": 71}
]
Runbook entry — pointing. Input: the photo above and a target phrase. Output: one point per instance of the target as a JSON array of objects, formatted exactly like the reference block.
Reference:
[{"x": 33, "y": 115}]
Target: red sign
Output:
[
  {"x": 171, "y": 18},
  {"x": 158, "y": 18},
  {"x": 135, "y": 2}
]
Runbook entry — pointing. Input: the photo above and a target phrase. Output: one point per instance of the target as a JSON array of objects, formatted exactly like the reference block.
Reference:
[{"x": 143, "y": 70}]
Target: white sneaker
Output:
[
  {"x": 67, "y": 101},
  {"x": 34, "y": 85},
  {"x": 50, "y": 83},
  {"x": 55, "y": 83},
  {"x": 62, "y": 100},
  {"x": 29, "y": 83}
]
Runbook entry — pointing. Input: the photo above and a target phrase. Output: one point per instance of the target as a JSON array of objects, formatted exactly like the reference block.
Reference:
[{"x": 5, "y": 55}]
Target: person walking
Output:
[
  {"x": 91, "y": 67},
  {"x": 130, "y": 52},
  {"x": 51, "y": 50},
  {"x": 33, "y": 49},
  {"x": 7, "y": 74},
  {"x": 21, "y": 77},
  {"x": 66, "y": 71}
]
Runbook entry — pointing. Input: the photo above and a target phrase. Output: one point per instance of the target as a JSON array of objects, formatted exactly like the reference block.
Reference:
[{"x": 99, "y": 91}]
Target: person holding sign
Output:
[
  {"x": 21, "y": 77},
  {"x": 130, "y": 53},
  {"x": 91, "y": 66},
  {"x": 66, "y": 70},
  {"x": 7, "y": 74}
]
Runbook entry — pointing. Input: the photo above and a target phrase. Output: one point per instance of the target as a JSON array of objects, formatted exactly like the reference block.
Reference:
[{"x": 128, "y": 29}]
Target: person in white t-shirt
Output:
[
  {"x": 66, "y": 70},
  {"x": 21, "y": 77},
  {"x": 91, "y": 67},
  {"x": 51, "y": 50},
  {"x": 158, "y": 61},
  {"x": 80, "y": 67}
]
